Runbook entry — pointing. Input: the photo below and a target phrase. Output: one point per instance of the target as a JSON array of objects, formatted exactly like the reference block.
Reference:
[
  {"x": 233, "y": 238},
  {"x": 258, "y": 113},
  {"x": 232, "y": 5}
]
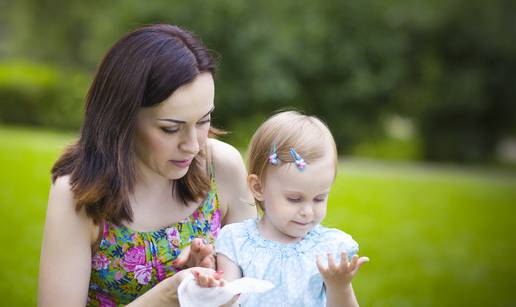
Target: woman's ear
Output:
[{"x": 255, "y": 186}]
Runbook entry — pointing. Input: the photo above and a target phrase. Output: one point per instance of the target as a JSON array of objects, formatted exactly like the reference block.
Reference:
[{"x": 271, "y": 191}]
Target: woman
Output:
[{"x": 144, "y": 181}]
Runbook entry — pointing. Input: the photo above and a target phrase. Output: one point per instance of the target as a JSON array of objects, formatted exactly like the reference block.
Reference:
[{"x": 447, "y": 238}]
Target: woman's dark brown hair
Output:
[{"x": 141, "y": 70}]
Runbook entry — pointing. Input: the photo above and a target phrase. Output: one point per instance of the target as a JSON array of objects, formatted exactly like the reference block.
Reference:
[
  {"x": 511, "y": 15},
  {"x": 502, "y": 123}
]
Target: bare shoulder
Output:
[
  {"x": 61, "y": 209},
  {"x": 65, "y": 262},
  {"x": 231, "y": 178},
  {"x": 226, "y": 157},
  {"x": 62, "y": 190}
]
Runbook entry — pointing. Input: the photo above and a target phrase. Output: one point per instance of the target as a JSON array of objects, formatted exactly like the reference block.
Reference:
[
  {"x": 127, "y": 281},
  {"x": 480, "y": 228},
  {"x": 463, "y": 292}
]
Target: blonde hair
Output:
[{"x": 308, "y": 135}]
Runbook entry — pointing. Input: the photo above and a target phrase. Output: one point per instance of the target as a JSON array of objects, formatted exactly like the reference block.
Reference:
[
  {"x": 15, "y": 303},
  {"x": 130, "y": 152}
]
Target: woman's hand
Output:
[{"x": 197, "y": 254}]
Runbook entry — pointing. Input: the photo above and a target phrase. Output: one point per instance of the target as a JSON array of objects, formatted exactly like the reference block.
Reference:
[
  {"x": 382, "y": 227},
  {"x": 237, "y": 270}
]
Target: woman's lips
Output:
[{"x": 181, "y": 163}]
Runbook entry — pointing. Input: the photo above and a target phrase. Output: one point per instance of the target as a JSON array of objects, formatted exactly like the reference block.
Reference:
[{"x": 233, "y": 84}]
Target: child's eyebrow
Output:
[{"x": 182, "y": 121}]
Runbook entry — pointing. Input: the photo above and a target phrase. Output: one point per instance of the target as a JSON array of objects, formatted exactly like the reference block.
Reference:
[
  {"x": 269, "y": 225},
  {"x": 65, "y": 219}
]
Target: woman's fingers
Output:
[
  {"x": 196, "y": 254},
  {"x": 206, "y": 257},
  {"x": 183, "y": 257}
]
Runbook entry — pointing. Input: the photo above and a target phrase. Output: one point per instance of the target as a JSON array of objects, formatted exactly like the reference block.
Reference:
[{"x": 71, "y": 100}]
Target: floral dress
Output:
[{"x": 128, "y": 263}]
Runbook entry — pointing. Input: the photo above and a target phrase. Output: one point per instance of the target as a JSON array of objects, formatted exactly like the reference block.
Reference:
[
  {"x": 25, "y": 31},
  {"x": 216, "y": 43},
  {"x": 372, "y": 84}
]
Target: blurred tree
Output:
[
  {"x": 448, "y": 65},
  {"x": 460, "y": 85}
]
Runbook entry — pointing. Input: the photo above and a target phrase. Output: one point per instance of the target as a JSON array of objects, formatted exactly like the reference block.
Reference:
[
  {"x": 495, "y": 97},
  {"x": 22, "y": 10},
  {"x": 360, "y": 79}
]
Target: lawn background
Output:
[{"x": 437, "y": 235}]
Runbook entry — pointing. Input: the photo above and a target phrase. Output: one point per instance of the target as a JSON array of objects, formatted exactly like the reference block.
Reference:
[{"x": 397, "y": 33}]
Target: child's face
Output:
[{"x": 295, "y": 201}]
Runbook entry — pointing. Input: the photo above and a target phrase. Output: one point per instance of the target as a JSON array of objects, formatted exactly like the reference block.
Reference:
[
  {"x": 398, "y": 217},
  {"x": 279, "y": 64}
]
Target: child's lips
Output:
[{"x": 303, "y": 224}]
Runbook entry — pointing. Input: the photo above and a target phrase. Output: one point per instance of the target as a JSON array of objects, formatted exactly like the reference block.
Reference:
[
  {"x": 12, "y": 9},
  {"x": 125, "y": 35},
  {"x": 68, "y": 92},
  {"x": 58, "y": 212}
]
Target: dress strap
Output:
[
  {"x": 210, "y": 169},
  {"x": 102, "y": 231}
]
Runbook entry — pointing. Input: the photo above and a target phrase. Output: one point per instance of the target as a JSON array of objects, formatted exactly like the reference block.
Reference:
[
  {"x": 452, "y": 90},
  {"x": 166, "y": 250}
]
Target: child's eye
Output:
[
  {"x": 319, "y": 200},
  {"x": 294, "y": 200}
]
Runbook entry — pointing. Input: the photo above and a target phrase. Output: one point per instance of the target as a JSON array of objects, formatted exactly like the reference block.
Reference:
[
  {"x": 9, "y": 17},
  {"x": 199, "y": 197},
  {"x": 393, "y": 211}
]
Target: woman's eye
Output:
[
  {"x": 170, "y": 130},
  {"x": 204, "y": 121}
]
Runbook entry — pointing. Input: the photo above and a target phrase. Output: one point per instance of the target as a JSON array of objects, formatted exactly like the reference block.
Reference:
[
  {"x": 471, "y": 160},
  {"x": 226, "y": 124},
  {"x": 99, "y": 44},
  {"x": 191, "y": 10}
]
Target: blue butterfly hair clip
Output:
[
  {"x": 300, "y": 162},
  {"x": 273, "y": 157}
]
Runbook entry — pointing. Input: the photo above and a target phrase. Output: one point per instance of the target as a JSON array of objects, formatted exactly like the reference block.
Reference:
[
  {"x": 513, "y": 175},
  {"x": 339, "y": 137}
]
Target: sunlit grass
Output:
[{"x": 436, "y": 236}]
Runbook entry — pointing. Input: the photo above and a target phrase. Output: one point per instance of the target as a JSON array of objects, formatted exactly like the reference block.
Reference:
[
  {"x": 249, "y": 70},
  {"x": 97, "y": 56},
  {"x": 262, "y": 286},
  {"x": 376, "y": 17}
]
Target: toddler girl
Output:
[{"x": 292, "y": 163}]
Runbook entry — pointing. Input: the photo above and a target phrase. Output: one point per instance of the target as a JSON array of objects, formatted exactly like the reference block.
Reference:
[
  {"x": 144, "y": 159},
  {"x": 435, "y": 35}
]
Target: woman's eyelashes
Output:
[{"x": 170, "y": 130}]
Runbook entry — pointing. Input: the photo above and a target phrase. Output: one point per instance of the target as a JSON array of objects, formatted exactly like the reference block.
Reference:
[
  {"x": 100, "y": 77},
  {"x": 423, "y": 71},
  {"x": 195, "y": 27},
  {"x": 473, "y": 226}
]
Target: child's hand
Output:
[
  {"x": 340, "y": 274},
  {"x": 211, "y": 281}
]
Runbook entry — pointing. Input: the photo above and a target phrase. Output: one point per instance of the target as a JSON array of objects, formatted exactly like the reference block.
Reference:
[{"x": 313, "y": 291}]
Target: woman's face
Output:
[{"x": 169, "y": 135}]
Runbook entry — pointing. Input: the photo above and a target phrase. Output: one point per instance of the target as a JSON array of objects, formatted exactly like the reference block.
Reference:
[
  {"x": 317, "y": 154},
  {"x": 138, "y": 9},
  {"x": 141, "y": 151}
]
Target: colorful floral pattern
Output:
[{"x": 127, "y": 263}]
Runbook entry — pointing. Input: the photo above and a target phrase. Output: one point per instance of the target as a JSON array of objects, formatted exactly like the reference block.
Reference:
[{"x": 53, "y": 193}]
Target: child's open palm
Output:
[{"x": 340, "y": 274}]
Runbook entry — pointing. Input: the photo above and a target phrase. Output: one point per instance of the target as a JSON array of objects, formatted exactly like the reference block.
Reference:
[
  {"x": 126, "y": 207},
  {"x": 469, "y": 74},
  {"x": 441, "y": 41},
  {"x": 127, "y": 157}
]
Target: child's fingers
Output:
[
  {"x": 322, "y": 269},
  {"x": 331, "y": 263},
  {"x": 218, "y": 274},
  {"x": 203, "y": 281},
  {"x": 344, "y": 263},
  {"x": 361, "y": 261},
  {"x": 353, "y": 263}
]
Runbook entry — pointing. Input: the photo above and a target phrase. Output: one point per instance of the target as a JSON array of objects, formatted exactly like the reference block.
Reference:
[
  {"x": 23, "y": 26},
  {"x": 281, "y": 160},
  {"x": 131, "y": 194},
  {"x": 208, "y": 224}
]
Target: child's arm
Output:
[
  {"x": 228, "y": 268},
  {"x": 337, "y": 279},
  {"x": 225, "y": 268}
]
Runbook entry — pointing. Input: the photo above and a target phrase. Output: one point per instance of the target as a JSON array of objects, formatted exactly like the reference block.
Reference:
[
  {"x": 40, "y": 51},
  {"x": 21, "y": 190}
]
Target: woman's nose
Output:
[{"x": 189, "y": 143}]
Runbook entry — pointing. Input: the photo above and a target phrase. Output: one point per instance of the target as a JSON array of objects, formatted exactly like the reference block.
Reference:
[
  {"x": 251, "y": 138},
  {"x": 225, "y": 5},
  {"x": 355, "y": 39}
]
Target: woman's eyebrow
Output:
[{"x": 182, "y": 121}]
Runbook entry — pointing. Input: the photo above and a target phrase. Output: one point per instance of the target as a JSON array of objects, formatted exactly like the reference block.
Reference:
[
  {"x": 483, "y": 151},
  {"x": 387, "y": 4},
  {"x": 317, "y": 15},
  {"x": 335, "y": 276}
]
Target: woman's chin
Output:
[{"x": 175, "y": 175}]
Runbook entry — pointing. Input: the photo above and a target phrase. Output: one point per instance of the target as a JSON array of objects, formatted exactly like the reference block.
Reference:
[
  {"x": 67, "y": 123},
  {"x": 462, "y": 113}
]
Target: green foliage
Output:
[
  {"x": 436, "y": 236},
  {"x": 40, "y": 95},
  {"x": 448, "y": 65},
  {"x": 388, "y": 148}
]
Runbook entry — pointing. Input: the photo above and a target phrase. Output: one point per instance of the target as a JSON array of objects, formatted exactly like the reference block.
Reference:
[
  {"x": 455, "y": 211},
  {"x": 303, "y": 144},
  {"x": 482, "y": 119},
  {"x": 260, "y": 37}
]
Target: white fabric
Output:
[{"x": 192, "y": 295}]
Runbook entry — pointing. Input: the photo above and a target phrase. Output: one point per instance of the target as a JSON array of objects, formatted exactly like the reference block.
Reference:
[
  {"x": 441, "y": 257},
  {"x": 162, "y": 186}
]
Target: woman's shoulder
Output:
[
  {"x": 62, "y": 208},
  {"x": 61, "y": 192},
  {"x": 231, "y": 179},
  {"x": 224, "y": 156}
]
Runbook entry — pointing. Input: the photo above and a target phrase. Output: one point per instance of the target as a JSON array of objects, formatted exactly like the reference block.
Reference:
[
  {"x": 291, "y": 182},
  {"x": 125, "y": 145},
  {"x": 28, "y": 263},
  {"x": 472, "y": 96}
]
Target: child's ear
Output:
[{"x": 255, "y": 186}]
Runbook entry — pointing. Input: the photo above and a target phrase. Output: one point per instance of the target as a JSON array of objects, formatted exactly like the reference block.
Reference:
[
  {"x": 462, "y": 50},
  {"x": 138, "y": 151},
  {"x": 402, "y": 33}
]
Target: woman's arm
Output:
[
  {"x": 65, "y": 262},
  {"x": 231, "y": 176}
]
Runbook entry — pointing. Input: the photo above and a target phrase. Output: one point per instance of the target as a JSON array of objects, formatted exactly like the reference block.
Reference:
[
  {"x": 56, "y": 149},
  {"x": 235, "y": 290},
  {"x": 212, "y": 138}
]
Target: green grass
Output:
[{"x": 436, "y": 235}]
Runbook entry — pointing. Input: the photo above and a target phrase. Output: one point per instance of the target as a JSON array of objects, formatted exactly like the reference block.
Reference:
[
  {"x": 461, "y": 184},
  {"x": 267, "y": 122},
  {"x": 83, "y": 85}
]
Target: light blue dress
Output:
[{"x": 290, "y": 267}]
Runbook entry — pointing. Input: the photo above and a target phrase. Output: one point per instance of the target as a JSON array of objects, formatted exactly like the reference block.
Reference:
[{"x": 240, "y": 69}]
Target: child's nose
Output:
[{"x": 306, "y": 210}]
